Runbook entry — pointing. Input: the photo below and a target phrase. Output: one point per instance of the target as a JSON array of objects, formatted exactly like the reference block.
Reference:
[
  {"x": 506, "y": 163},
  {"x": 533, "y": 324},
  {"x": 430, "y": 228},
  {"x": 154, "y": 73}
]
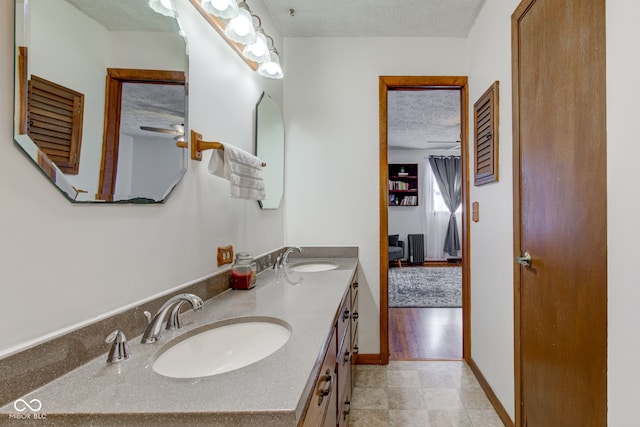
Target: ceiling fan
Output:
[{"x": 177, "y": 130}]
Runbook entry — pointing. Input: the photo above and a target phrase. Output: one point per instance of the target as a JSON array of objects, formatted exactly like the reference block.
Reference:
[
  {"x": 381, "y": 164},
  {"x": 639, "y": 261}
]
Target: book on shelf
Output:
[{"x": 399, "y": 185}]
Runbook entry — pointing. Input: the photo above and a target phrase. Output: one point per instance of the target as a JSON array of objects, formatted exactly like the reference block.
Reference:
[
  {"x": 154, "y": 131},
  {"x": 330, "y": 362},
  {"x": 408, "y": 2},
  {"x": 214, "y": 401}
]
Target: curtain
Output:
[
  {"x": 436, "y": 220},
  {"x": 448, "y": 174}
]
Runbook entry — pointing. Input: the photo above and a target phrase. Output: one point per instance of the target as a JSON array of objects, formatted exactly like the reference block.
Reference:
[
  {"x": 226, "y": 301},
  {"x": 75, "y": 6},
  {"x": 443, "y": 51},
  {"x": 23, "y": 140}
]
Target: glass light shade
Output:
[
  {"x": 271, "y": 68},
  {"x": 163, "y": 7},
  {"x": 226, "y": 9},
  {"x": 258, "y": 51},
  {"x": 240, "y": 28}
]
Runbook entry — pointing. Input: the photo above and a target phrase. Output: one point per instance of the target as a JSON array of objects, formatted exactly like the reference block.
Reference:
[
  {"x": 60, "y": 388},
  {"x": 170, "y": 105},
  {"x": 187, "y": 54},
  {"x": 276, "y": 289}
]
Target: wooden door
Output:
[{"x": 560, "y": 212}]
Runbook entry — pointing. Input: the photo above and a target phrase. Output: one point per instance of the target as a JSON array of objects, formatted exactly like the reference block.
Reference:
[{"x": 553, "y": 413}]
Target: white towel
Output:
[{"x": 243, "y": 171}]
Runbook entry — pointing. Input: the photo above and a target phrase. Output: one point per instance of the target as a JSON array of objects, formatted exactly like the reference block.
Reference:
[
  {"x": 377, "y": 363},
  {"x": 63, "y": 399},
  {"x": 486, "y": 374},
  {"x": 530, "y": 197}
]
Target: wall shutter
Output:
[
  {"x": 486, "y": 136},
  {"x": 54, "y": 121}
]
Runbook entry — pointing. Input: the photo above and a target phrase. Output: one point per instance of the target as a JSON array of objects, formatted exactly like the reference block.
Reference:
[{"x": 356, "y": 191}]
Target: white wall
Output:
[
  {"x": 157, "y": 163},
  {"x": 63, "y": 264},
  {"x": 623, "y": 151},
  {"x": 331, "y": 116},
  {"x": 491, "y": 239}
]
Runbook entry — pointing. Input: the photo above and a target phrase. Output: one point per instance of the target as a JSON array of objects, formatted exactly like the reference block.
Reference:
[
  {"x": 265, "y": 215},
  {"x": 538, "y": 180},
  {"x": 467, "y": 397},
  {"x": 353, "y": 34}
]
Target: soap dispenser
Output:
[{"x": 243, "y": 271}]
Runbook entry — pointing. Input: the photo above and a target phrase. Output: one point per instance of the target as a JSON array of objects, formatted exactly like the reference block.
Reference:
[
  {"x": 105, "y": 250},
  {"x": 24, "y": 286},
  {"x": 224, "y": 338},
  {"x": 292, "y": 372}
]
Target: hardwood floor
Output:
[{"x": 425, "y": 333}]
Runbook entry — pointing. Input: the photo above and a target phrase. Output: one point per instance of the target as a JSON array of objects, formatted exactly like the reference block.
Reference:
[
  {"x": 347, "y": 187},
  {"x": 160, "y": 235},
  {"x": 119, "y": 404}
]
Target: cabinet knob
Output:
[
  {"x": 347, "y": 358},
  {"x": 346, "y": 315},
  {"x": 355, "y": 315},
  {"x": 354, "y": 285},
  {"x": 356, "y": 350}
]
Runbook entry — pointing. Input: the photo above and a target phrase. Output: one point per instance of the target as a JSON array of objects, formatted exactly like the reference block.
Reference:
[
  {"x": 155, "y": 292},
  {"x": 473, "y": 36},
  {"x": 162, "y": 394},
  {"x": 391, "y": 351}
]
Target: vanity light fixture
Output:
[
  {"x": 258, "y": 51},
  {"x": 271, "y": 68},
  {"x": 163, "y": 7},
  {"x": 226, "y": 9},
  {"x": 239, "y": 32},
  {"x": 240, "y": 29}
]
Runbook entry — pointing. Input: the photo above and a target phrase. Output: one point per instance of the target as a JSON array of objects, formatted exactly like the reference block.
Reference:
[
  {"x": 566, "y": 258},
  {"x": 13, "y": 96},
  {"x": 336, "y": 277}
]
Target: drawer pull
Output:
[
  {"x": 355, "y": 315},
  {"x": 347, "y": 411},
  {"x": 356, "y": 350},
  {"x": 354, "y": 285},
  {"x": 329, "y": 380},
  {"x": 347, "y": 357},
  {"x": 346, "y": 315}
]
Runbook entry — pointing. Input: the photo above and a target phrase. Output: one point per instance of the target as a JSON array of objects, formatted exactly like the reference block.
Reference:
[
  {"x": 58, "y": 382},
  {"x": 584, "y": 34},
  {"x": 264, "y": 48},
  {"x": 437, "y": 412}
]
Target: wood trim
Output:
[
  {"x": 386, "y": 83},
  {"x": 370, "y": 359},
  {"x": 23, "y": 79},
  {"x": 219, "y": 25},
  {"x": 112, "y": 105},
  {"x": 495, "y": 402},
  {"x": 520, "y": 11}
]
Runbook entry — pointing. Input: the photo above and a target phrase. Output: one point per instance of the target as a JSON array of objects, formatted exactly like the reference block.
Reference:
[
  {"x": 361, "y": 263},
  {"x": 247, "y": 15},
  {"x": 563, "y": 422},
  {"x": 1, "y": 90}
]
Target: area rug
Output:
[{"x": 425, "y": 287}]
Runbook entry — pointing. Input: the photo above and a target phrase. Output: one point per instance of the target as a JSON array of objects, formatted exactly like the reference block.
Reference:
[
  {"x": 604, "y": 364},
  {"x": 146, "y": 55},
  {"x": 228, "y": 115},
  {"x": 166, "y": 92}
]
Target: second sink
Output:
[
  {"x": 312, "y": 267},
  {"x": 222, "y": 347}
]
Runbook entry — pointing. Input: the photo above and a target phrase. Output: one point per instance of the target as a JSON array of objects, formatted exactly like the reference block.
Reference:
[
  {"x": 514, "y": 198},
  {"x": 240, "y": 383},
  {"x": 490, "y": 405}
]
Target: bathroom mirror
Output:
[
  {"x": 270, "y": 148},
  {"x": 68, "y": 47}
]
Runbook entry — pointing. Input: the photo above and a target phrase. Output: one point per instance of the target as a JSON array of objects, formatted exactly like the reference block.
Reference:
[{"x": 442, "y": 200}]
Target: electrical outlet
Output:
[{"x": 225, "y": 255}]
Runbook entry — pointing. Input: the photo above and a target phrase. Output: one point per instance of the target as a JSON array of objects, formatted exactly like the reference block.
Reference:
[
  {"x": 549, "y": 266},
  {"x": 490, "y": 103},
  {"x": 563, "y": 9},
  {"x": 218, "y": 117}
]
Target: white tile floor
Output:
[{"x": 424, "y": 394}]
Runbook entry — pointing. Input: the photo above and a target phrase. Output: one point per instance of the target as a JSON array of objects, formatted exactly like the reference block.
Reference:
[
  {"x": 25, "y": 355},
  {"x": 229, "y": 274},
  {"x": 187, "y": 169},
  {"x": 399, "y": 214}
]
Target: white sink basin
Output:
[
  {"x": 312, "y": 267},
  {"x": 222, "y": 347}
]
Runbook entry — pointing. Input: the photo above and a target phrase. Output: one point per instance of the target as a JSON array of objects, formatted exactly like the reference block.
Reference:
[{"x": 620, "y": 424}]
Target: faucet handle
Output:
[
  {"x": 148, "y": 315},
  {"x": 119, "y": 349}
]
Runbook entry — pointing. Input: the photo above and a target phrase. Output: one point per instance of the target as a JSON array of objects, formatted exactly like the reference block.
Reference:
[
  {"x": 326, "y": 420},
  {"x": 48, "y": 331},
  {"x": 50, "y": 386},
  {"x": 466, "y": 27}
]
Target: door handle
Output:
[{"x": 524, "y": 260}]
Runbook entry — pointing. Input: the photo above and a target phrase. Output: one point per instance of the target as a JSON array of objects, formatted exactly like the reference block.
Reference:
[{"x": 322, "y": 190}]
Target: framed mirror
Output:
[
  {"x": 270, "y": 148},
  {"x": 101, "y": 96}
]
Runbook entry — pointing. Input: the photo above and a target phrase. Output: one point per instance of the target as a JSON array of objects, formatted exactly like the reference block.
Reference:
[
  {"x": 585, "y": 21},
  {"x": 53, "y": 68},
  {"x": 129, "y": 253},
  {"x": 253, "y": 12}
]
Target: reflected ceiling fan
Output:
[{"x": 177, "y": 130}]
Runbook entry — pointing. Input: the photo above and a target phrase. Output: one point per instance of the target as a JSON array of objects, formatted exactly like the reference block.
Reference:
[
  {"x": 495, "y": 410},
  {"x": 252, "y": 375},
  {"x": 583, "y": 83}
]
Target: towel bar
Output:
[{"x": 198, "y": 146}]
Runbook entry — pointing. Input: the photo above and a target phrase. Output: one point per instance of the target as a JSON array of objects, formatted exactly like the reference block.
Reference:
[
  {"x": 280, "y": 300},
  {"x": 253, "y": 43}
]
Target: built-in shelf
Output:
[{"x": 403, "y": 184}]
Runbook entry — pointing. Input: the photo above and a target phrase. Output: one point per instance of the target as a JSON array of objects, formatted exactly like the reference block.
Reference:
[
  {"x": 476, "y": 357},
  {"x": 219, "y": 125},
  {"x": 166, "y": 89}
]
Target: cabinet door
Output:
[{"x": 323, "y": 401}]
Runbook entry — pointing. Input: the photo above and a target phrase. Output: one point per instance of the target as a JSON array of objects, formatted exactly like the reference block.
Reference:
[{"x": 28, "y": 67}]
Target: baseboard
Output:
[
  {"x": 502, "y": 413},
  {"x": 368, "y": 359}
]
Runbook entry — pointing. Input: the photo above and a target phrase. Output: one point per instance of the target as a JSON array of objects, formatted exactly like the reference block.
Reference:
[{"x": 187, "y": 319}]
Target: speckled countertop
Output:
[{"x": 271, "y": 392}]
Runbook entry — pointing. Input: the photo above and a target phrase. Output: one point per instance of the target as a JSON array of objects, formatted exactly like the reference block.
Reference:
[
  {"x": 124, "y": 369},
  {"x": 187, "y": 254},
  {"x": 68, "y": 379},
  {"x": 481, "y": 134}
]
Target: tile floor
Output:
[{"x": 424, "y": 394}]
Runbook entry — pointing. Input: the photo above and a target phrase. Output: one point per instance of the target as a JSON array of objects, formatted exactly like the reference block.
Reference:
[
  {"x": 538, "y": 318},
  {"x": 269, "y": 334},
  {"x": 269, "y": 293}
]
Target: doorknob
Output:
[{"x": 524, "y": 260}]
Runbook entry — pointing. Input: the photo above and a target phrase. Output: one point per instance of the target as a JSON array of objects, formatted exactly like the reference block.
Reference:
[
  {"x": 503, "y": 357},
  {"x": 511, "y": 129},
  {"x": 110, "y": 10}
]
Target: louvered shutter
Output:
[
  {"x": 486, "y": 136},
  {"x": 54, "y": 121}
]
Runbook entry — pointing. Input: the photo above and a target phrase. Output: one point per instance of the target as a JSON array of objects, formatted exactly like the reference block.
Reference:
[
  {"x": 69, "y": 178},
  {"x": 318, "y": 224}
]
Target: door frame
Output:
[{"x": 453, "y": 82}]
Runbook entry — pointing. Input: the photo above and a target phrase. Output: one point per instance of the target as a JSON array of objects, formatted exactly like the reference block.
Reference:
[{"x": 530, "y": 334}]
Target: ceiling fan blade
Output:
[
  {"x": 162, "y": 130},
  {"x": 443, "y": 142}
]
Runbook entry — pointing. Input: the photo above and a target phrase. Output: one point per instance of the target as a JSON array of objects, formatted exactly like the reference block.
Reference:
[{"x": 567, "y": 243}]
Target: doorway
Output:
[{"x": 413, "y": 319}]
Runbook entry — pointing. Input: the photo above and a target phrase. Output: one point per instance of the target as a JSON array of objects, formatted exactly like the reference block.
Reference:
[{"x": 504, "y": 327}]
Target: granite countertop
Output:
[{"x": 271, "y": 392}]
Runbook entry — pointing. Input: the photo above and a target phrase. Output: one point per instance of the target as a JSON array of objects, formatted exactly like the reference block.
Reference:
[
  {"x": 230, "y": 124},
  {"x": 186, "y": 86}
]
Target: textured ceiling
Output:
[
  {"x": 154, "y": 105},
  {"x": 423, "y": 119},
  {"x": 374, "y": 18},
  {"x": 125, "y": 15}
]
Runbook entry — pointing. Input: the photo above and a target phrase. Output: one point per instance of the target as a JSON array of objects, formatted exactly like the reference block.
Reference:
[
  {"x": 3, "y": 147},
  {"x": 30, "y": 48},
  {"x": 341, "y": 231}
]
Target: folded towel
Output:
[{"x": 243, "y": 171}]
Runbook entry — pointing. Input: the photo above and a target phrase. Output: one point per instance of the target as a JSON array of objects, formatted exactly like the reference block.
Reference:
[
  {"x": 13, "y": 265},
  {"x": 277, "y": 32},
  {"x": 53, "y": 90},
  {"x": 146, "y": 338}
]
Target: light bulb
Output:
[
  {"x": 226, "y": 9},
  {"x": 271, "y": 68},
  {"x": 240, "y": 28},
  {"x": 258, "y": 51}
]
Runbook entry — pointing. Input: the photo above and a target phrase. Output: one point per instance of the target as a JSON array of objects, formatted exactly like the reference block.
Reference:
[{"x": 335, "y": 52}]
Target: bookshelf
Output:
[{"x": 403, "y": 184}]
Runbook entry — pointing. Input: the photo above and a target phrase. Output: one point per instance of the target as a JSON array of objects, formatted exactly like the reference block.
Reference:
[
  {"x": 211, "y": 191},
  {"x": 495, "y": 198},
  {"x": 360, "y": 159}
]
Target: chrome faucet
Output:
[
  {"x": 283, "y": 259},
  {"x": 152, "y": 334},
  {"x": 119, "y": 349}
]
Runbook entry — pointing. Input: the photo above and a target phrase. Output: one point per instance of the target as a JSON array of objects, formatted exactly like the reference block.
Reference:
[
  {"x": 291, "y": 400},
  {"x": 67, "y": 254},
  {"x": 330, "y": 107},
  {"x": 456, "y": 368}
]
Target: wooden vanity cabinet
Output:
[{"x": 330, "y": 400}]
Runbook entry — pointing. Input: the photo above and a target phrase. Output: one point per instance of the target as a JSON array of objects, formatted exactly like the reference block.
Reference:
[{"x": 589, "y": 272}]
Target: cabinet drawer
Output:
[
  {"x": 344, "y": 317},
  {"x": 322, "y": 403}
]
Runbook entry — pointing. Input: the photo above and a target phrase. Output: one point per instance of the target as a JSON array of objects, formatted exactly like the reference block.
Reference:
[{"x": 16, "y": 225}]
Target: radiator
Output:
[{"x": 416, "y": 248}]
